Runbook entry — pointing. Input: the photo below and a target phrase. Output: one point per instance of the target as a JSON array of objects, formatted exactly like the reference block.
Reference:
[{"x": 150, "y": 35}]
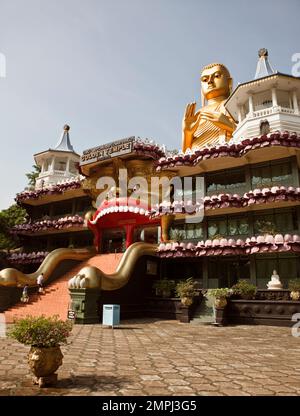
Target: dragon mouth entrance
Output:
[{"x": 123, "y": 214}]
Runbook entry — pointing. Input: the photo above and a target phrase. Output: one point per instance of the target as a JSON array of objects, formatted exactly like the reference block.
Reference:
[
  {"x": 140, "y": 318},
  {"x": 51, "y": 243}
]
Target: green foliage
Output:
[
  {"x": 32, "y": 176},
  {"x": 41, "y": 331},
  {"x": 294, "y": 285},
  {"x": 8, "y": 218},
  {"x": 164, "y": 284},
  {"x": 220, "y": 293},
  {"x": 266, "y": 227},
  {"x": 177, "y": 235},
  {"x": 186, "y": 288},
  {"x": 244, "y": 288}
]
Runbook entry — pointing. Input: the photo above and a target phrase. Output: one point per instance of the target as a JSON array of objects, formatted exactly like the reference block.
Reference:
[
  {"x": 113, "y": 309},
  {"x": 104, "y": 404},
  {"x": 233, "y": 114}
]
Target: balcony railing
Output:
[{"x": 271, "y": 110}]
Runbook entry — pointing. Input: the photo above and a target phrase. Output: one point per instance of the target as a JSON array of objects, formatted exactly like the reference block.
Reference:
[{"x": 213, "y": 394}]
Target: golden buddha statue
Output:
[{"x": 212, "y": 124}]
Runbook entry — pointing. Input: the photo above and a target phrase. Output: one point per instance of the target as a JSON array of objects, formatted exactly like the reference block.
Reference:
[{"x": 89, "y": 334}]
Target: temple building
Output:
[
  {"x": 243, "y": 145},
  {"x": 251, "y": 189},
  {"x": 55, "y": 207}
]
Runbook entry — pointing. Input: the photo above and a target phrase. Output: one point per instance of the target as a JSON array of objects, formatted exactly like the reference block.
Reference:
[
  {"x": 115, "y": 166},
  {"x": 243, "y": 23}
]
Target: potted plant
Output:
[
  {"x": 244, "y": 289},
  {"x": 294, "y": 286},
  {"x": 186, "y": 291},
  {"x": 220, "y": 296},
  {"x": 164, "y": 287},
  {"x": 45, "y": 335}
]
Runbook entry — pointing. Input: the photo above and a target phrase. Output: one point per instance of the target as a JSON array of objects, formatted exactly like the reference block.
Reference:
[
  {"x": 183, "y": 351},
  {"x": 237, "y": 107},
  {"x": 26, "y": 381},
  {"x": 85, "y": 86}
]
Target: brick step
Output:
[{"x": 55, "y": 300}]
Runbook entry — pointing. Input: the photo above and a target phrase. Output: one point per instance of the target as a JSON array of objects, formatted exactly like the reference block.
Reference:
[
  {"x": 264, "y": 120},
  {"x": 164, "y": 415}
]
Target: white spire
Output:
[
  {"x": 64, "y": 143},
  {"x": 263, "y": 68}
]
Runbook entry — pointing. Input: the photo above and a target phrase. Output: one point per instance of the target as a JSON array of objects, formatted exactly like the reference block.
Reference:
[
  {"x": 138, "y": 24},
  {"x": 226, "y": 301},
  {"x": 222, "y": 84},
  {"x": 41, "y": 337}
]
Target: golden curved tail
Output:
[
  {"x": 14, "y": 277},
  {"x": 92, "y": 277}
]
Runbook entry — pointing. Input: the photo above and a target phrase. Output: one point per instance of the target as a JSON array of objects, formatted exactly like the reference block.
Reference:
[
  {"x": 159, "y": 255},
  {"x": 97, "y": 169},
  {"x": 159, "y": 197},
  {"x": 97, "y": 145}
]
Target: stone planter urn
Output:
[
  {"x": 43, "y": 362},
  {"x": 220, "y": 303},
  {"x": 187, "y": 301},
  {"x": 295, "y": 295}
]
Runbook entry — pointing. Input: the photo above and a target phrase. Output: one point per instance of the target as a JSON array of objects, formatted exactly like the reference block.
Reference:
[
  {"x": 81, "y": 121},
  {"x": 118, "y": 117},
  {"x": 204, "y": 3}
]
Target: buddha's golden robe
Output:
[{"x": 208, "y": 133}]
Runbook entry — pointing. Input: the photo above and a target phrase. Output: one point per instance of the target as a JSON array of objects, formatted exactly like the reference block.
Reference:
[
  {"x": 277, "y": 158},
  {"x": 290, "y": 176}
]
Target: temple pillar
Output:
[
  {"x": 252, "y": 270},
  {"x": 205, "y": 272},
  {"x": 295, "y": 102},
  {"x": 67, "y": 171},
  {"x": 52, "y": 164},
  {"x": 274, "y": 98},
  {"x": 295, "y": 172},
  {"x": 239, "y": 114},
  {"x": 98, "y": 239},
  {"x": 129, "y": 229},
  {"x": 166, "y": 221},
  {"x": 251, "y": 106}
]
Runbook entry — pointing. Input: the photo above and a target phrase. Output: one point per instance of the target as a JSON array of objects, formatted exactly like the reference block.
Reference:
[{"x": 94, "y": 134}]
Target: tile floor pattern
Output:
[{"x": 151, "y": 357}]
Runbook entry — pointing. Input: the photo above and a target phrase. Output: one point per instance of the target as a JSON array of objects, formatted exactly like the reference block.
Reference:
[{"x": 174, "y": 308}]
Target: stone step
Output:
[
  {"x": 204, "y": 313},
  {"x": 55, "y": 300}
]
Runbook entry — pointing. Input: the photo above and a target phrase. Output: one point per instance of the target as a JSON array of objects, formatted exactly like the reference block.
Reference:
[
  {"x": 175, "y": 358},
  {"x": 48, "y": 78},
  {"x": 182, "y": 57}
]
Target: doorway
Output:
[{"x": 113, "y": 241}]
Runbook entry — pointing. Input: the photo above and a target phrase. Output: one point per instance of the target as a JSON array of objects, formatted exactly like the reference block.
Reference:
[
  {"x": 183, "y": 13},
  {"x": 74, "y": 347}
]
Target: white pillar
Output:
[
  {"x": 239, "y": 114},
  {"x": 43, "y": 166},
  {"x": 274, "y": 98},
  {"x": 290, "y": 100},
  {"x": 295, "y": 102},
  {"x": 52, "y": 164},
  {"x": 251, "y": 107},
  {"x": 67, "y": 167}
]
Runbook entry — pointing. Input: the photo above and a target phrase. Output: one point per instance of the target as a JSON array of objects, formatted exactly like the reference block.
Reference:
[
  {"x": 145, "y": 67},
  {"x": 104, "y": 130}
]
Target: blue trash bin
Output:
[{"x": 111, "y": 315}]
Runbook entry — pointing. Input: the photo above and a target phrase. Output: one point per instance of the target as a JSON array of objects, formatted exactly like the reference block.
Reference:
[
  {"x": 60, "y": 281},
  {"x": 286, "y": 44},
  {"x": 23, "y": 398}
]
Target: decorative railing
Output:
[
  {"x": 230, "y": 247},
  {"x": 272, "y": 110},
  {"x": 149, "y": 148},
  {"x": 48, "y": 225},
  {"x": 255, "y": 197},
  {"x": 49, "y": 190},
  {"x": 27, "y": 258},
  {"x": 192, "y": 158}
]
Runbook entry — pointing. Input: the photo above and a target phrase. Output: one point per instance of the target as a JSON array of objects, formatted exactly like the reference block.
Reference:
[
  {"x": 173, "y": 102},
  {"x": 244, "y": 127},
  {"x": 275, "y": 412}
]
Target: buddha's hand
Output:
[
  {"x": 217, "y": 118},
  {"x": 190, "y": 119}
]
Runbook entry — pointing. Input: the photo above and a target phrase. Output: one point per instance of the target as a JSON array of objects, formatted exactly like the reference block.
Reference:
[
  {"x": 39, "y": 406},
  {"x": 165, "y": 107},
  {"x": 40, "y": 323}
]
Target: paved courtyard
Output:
[{"x": 151, "y": 357}]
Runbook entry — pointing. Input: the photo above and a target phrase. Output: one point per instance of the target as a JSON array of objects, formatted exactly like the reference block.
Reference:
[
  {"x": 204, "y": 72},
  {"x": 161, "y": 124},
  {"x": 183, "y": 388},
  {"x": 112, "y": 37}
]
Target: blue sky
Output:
[{"x": 112, "y": 69}]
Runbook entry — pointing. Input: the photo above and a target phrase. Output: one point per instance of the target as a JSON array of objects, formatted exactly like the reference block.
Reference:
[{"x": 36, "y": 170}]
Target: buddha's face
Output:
[{"x": 215, "y": 82}]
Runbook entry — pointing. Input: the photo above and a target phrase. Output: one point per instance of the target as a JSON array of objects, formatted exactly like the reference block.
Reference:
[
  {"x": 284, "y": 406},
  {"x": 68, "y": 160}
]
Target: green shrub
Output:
[
  {"x": 220, "y": 293},
  {"x": 41, "y": 331},
  {"x": 186, "y": 288},
  {"x": 294, "y": 285},
  {"x": 164, "y": 284},
  {"x": 244, "y": 288}
]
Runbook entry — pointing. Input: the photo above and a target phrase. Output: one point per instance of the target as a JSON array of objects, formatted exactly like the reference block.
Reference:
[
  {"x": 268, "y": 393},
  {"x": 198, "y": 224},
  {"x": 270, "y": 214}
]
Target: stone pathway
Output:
[{"x": 151, "y": 357}]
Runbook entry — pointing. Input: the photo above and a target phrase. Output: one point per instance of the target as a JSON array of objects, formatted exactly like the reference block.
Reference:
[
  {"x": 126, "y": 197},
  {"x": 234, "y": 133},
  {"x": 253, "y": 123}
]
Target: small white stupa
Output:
[{"x": 274, "y": 283}]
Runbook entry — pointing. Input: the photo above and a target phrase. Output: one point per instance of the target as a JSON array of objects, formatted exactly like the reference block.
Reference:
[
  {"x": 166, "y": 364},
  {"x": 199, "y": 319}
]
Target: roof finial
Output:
[
  {"x": 64, "y": 143},
  {"x": 263, "y": 52},
  {"x": 263, "y": 68}
]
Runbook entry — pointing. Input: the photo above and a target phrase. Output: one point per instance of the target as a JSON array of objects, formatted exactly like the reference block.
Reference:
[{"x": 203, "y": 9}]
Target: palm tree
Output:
[{"x": 32, "y": 176}]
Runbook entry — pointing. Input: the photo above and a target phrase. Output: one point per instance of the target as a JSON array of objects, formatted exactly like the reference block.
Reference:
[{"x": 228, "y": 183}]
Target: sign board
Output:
[
  {"x": 107, "y": 151},
  {"x": 71, "y": 314}
]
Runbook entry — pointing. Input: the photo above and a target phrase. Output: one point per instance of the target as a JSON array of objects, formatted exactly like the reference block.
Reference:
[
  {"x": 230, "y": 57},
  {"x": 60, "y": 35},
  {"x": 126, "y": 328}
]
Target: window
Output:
[
  {"x": 47, "y": 165},
  {"x": 271, "y": 174},
  {"x": 287, "y": 266},
  {"x": 276, "y": 222},
  {"x": 62, "y": 208},
  {"x": 83, "y": 205},
  {"x": 230, "y": 226},
  {"x": 264, "y": 127},
  {"x": 60, "y": 164},
  {"x": 230, "y": 181},
  {"x": 73, "y": 167},
  {"x": 186, "y": 232}
]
